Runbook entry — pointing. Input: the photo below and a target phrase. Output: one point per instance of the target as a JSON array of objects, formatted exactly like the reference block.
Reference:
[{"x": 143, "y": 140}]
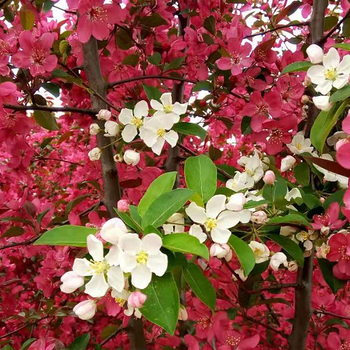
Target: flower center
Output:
[
  {"x": 299, "y": 146},
  {"x": 120, "y": 301},
  {"x": 141, "y": 257},
  {"x": 97, "y": 13},
  {"x": 331, "y": 74},
  {"x": 161, "y": 132},
  {"x": 233, "y": 341},
  {"x": 262, "y": 107},
  {"x": 168, "y": 108},
  {"x": 100, "y": 266},
  {"x": 38, "y": 56},
  {"x": 210, "y": 224},
  {"x": 137, "y": 122}
]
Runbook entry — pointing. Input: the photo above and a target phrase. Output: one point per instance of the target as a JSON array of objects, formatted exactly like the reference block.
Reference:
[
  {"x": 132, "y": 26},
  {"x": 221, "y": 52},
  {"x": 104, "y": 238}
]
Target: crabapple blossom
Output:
[
  {"x": 269, "y": 177},
  {"x": 95, "y": 154},
  {"x": 94, "y": 129},
  {"x": 277, "y": 260},
  {"x": 136, "y": 299},
  {"x": 131, "y": 157},
  {"x": 240, "y": 182},
  {"x": 287, "y": 163},
  {"x": 300, "y": 145},
  {"x": 123, "y": 205},
  {"x": 221, "y": 251},
  {"x": 322, "y": 103},
  {"x": 111, "y": 128},
  {"x": 259, "y": 217},
  {"x": 85, "y": 310},
  {"x": 175, "y": 224},
  {"x": 260, "y": 250},
  {"x": 253, "y": 166},
  {"x": 315, "y": 53},
  {"x": 112, "y": 230},
  {"x": 142, "y": 257},
  {"x": 104, "y": 114},
  {"x": 71, "y": 281},
  {"x": 293, "y": 194}
]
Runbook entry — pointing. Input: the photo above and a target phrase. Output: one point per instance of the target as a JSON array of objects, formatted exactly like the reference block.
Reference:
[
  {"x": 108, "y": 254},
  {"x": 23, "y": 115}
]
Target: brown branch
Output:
[
  {"x": 303, "y": 24},
  {"x": 145, "y": 77},
  {"x": 17, "y": 244},
  {"x": 39, "y": 158},
  {"x": 277, "y": 286},
  {"x": 265, "y": 325},
  {"x": 330, "y": 33},
  {"x": 331, "y": 314},
  {"x": 51, "y": 109}
]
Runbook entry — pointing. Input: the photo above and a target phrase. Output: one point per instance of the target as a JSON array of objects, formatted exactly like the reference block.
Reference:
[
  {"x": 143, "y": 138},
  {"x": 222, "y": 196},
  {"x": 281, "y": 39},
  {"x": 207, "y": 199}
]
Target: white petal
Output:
[
  {"x": 171, "y": 137},
  {"x": 157, "y": 105},
  {"x": 322, "y": 103},
  {"x": 341, "y": 81},
  {"x": 220, "y": 235},
  {"x": 196, "y": 213},
  {"x": 141, "y": 276},
  {"x": 97, "y": 286},
  {"x": 245, "y": 216},
  {"x": 95, "y": 247},
  {"x": 157, "y": 263},
  {"x": 344, "y": 66},
  {"x": 125, "y": 116},
  {"x": 112, "y": 229},
  {"x": 129, "y": 133},
  {"x": 115, "y": 278},
  {"x": 158, "y": 146},
  {"x": 167, "y": 99},
  {"x": 151, "y": 243},
  {"x": 180, "y": 108},
  {"x": 325, "y": 87},
  {"x": 82, "y": 267},
  {"x": 196, "y": 231},
  {"x": 130, "y": 243},
  {"x": 141, "y": 109},
  {"x": 331, "y": 59},
  {"x": 113, "y": 256},
  {"x": 316, "y": 74},
  {"x": 228, "y": 219},
  {"x": 216, "y": 205},
  {"x": 127, "y": 262},
  {"x": 149, "y": 136},
  {"x": 315, "y": 53}
]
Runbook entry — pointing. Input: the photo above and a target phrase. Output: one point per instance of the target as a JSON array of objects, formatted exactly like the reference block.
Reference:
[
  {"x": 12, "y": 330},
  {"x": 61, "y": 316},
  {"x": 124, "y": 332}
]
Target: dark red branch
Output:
[
  {"x": 303, "y": 24},
  {"x": 51, "y": 109}
]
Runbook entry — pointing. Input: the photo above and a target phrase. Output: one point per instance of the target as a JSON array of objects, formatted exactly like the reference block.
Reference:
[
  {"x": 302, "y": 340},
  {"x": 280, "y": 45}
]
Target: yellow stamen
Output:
[
  {"x": 161, "y": 132},
  {"x": 137, "y": 122},
  {"x": 331, "y": 74},
  {"x": 100, "y": 266},
  {"x": 120, "y": 301},
  {"x": 210, "y": 224},
  {"x": 168, "y": 108},
  {"x": 142, "y": 257}
]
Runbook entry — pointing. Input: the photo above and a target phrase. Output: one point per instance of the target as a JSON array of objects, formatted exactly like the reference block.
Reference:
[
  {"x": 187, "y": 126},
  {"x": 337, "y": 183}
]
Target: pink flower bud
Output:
[
  {"x": 269, "y": 177},
  {"x": 183, "y": 315},
  {"x": 85, "y": 310},
  {"x": 71, "y": 281},
  {"x": 259, "y": 217},
  {"x": 304, "y": 99},
  {"x": 104, "y": 114},
  {"x": 123, "y": 205},
  {"x": 136, "y": 299},
  {"x": 219, "y": 250},
  {"x": 340, "y": 143}
]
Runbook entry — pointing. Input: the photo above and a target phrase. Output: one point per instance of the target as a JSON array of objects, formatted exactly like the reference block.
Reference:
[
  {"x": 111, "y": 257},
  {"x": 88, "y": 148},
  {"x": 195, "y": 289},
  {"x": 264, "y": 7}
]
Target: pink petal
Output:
[
  {"x": 346, "y": 124},
  {"x": 84, "y": 29},
  {"x": 249, "y": 343},
  {"x": 26, "y": 40},
  {"x": 224, "y": 63},
  {"x": 343, "y": 155}
]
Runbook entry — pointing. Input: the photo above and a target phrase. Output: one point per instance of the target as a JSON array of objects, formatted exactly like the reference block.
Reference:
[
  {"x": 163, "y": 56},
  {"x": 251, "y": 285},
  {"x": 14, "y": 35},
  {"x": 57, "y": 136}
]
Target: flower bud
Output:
[
  {"x": 112, "y": 230},
  {"x": 104, "y": 114},
  {"x": 131, "y": 157},
  {"x": 340, "y": 143},
  {"x": 220, "y": 250},
  {"x": 287, "y": 163},
  {"x": 292, "y": 266},
  {"x": 183, "y": 315},
  {"x": 95, "y": 154},
  {"x": 136, "y": 299},
  {"x": 269, "y": 177},
  {"x": 85, "y": 310},
  {"x": 71, "y": 281},
  {"x": 322, "y": 103},
  {"x": 305, "y": 99},
  {"x": 94, "y": 129},
  {"x": 111, "y": 128},
  {"x": 123, "y": 206},
  {"x": 278, "y": 259},
  {"x": 315, "y": 53},
  {"x": 236, "y": 202},
  {"x": 118, "y": 158},
  {"x": 307, "y": 81},
  {"x": 259, "y": 217}
]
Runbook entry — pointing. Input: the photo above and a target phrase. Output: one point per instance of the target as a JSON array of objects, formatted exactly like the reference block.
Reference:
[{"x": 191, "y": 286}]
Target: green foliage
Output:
[
  {"x": 80, "y": 343},
  {"x": 190, "y": 129},
  {"x": 47, "y": 120},
  {"x": 328, "y": 275},
  {"x": 151, "y": 92},
  {"x": 302, "y": 173},
  {"x": 244, "y": 254},
  {"x": 301, "y": 66}
]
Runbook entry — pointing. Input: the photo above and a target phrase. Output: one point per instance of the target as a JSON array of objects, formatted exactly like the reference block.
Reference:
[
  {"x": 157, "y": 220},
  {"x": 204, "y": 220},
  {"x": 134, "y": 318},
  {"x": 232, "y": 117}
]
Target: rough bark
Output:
[
  {"x": 303, "y": 308},
  {"x": 109, "y": 170}
]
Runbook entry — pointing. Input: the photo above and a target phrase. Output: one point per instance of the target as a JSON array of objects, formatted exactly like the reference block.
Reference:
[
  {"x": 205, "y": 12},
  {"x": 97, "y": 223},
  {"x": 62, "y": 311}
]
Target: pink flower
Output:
[
  {"x": 136, "y": 299},
  {"x": 340, "y": 252},
  {"x": 269, "y": 178},
  {"x": 328, "y": 221},
  {"x": 123, "y": 205},
  {"x": 335, "y": 342},
  {"x": 343, "y": 147},
  {"x": 35, "y": 54},
  {"x": 232, "y": 340},
  {"x": 95, "y": 18}
]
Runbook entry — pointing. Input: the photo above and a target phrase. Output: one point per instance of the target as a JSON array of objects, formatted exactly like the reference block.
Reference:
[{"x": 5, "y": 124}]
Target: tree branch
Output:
[
  {"x": 303, "y": 24},
  {"x": 277, "y": 286},
  {"x": 265, "y": 325},
  {"x": 51, "y": 109},
  {"x": 331, "y": 314},
  {"x": 330, "y": 33}
]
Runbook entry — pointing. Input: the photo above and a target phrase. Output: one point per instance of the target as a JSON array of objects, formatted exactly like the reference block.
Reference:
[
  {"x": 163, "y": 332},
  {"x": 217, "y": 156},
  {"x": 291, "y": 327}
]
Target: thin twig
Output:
[
  {"x": 58, "y": 160},
  {"x": 265, "y": 325},
  {"x": 330, "y": 33},
  {"x": 331, "y": 314},
  {"x": 277, "y": 286},
  {"x": 50, "y": 109},
  {"x": 303, "y": 24}
]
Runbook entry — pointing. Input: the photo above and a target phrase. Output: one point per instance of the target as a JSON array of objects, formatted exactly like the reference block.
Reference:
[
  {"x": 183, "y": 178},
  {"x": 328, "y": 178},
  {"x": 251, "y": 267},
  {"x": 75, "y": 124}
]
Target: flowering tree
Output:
[{"x": 174, "y": 174}]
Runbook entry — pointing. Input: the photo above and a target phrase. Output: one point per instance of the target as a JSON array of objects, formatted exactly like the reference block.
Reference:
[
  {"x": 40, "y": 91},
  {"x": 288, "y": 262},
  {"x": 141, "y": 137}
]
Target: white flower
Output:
[
  {"x": 167, "y": 109},
  {"x": 175, "y": 224},
  {"x": 121, "y": 298},
  {"x": 221, "y": 251},
  {"x": 322, "y": 103},
  {"x": 322, "y": 251},
  {"x": 236, "y": 202},
  {"x": 156, "y": 131},
  {"x": 111, "y": 128},
  {"x": 338, "y": 135},
  {"x": 104, "y": 114},
  {"x": 287, "y": 231},
  {"x": 112, "y": 230},
  {"x": 100, "y": 268},
  {"x": 71, "y": 281},
  {"x": 240, "y": 181},
  {"x": 85, "y": 310},
  {"x": 253, "y": 166},
  {"x": 215, "y": 218},
  {"x": 277, "y": 260},
  {"x": 133, "y": 120},
  {"x": 240, "y": 274},
  {"x": 131, "y": 157},
  {"x": 287, "y": 163},
  {"x": 293, "y": 194},
  {"x": 196, "y": 231},
  {"x": 259, "y": 217},
  {"x": 300, "y": 145},
  {"x": 315, "y": 53},
  {"x": 95, "y": 154},
  {"x": 333, "y": 73},
  {"x": 183, "y": 315},
  {"x": 94, "y": 129},
  {"x": 260, "y": 251},
  {"x": 142, "y": 258}
]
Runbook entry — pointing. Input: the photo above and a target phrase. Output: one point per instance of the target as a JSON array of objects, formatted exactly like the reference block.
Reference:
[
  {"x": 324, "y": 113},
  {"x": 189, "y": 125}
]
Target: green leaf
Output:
[
  {"x": 201, "y": 176},
  {"x": 162, "y": 304},
  {"x": 46, "y": 120},
  {"x": 27, "y": 343},
  {"x": 330, "y": 22},
  {"x": 123, "y": 39},
  {"x": 162, "y": 184},
  {"x": 334, "y": 197},
  {"x": 174, "y": 64},
  {"x": 289, "y": 219},
  {"x": 209, "y": 24},
  {"x": 343, "y": 46},
  {"x": 155, "y": 58},
  {"x": 340, "y": 94},
  {"x": 244, "y": 253},
  {"x": 323, "y": 125},
  {"x": 200, "y": 285},
  {"x": 327, "y": 273},
  {"x": 245, "y": 125},
  {"x": 151, "y": 92},
  {"x": 338, "y": 322},
  {"x": 27, "y": 18},
  {"x": 289, "y": 246},
  {"x": 203, "y": 85},
  {"x": 185, "y": 243},
  {"x": 155, "y": 20},
  {"x": 301, "y": 66},
  {"x": 276, "y": 193},
  {"x": 14, "y": 231},
  {"x": 131, "y": 60},
  {"x": 190, "y": 129},
  {"x": 135, "y": 214},
  {"x": 80, "y": 343},
  {"x": 68, "y": 235},
  {"x": 128, "y": 221},
  {"x": 302, "y": 173},
  {"x": 164, "y": 206},
  {"x": 52, "y": 88},
  {"x": 48, "y": 4}
]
